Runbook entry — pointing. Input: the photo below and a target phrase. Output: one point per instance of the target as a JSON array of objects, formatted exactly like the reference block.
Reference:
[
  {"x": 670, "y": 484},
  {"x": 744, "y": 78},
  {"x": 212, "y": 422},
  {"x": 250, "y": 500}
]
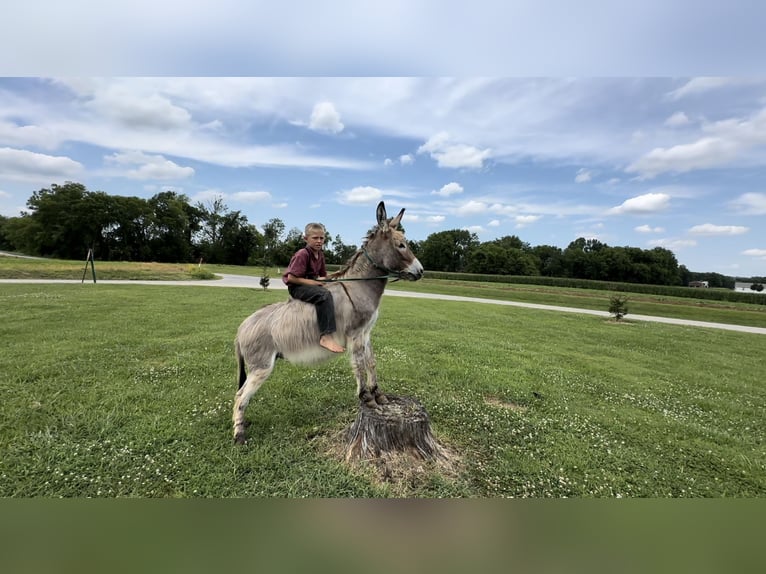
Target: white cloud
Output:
[
  {"x": 755, "y": 252},
  {"x": 494, "y": 223},
  {"x": 724, "y": 142},
  {"x": 279, "y": 205},
  {"x": 325, "y": 118},
  {"x": 136, "y": 110},
  {"x": 698, "y": 86},
  {"x": 750, "y": 204},
  {"x": 26, "y": 165},
  {"x": 388, "y": 162},
  {"x": 451, "y": 188},
  {"x": 28, "y": 135},
  {"x": 471, "y": 207},
  {"x": 524, "y": 220},
  {"x": 455, "y": 155},
  {"x": 435, "y": 219},
  {"x": 705, "y": 153},
  {"x": 670, "y": 243},
  {"x": 252, "y": 196},
  {"x": 360, "y": 195},
  {"x": 647, "y": 203},
  {"x": 649, "y": 229},
  {"x": 501, "y": 209},
  {"x": 406, "y": 159},
  {"x": 710, "y": 229},
  {"x": 583, "y": 175},
  {"x": 474, "y": 229},
  {"x": 678, "y": 119},
  {"x": 149, "y": 166}
]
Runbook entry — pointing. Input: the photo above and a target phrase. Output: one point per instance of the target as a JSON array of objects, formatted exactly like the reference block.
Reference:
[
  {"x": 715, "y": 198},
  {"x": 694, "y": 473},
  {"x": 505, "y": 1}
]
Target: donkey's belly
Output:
[{"x": 307, "y": 356}]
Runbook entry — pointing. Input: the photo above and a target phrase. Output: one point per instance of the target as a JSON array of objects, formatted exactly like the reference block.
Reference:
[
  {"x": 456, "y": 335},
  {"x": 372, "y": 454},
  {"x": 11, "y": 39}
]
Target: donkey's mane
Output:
[{"x": 352, "y": 260}]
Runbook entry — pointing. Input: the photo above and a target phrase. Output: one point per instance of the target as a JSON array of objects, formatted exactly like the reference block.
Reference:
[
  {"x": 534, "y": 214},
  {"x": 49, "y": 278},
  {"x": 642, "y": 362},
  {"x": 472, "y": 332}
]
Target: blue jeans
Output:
[{"x": 321, "y": 298}]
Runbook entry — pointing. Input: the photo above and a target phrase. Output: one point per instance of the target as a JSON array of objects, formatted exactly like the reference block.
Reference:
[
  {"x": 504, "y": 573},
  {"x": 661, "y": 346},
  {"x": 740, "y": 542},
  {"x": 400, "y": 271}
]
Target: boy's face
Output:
[{"x": 315, "y": 241}]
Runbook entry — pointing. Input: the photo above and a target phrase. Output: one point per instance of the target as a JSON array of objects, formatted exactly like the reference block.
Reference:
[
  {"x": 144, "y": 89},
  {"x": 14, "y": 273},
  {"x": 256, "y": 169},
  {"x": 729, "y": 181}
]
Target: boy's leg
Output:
[{"x": 321, "y": 298}]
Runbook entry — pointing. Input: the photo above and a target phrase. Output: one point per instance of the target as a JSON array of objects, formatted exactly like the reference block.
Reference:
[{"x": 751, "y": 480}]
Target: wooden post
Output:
[{"x": 89, "y": 258}]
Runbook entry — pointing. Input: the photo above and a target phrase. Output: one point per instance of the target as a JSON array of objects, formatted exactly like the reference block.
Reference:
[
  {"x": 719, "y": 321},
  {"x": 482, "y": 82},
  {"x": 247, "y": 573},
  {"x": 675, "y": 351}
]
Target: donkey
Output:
[{"x": 289, "y": 329}]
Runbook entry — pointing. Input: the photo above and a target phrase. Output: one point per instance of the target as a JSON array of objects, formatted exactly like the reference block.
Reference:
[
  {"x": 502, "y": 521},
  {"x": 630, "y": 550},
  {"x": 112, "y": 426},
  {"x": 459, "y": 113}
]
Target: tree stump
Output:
[{"x": 401, "y": 426}]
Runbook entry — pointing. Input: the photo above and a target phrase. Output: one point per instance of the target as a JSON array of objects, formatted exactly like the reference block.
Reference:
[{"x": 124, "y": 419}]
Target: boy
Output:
[{"x": 301, "y": 278}]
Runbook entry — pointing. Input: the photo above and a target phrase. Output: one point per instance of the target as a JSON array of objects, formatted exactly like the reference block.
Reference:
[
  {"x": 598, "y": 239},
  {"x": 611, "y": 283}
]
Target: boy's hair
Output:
[{"x": 314, "y": 227}]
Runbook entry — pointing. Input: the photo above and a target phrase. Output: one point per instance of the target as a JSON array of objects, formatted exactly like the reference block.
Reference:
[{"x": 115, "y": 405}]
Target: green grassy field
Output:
[
  {"x": 112, "y": 390},
  {"x": 642, "y": 304}
]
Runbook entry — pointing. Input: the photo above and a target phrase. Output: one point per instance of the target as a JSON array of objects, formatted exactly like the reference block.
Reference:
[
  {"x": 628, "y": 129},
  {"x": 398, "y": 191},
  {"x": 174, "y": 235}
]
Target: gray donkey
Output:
[{"x": 289, "y": 329}]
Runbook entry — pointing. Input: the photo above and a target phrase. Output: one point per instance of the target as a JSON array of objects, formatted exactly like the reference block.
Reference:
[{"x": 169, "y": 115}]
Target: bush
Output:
[
  {"x": 199, "y": 273},
  {"x": 265, "y": 279},
  {"x": 618, "y": 306}
]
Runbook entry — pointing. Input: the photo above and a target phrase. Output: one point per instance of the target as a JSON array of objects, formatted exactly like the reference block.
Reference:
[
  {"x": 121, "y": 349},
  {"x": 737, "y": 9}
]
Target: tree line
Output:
[
  {"x": 458, "y": 250},
  {"x": 64, "y": 221}
]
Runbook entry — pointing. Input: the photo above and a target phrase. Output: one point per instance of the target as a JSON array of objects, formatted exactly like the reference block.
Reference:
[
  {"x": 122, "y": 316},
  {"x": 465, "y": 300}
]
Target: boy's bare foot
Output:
[{"x": 329, "y": 343}]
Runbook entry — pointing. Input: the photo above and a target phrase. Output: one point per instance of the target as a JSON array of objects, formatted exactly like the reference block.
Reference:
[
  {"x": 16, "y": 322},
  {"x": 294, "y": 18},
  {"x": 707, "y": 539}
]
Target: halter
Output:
[{"x": 389, "y": 273}]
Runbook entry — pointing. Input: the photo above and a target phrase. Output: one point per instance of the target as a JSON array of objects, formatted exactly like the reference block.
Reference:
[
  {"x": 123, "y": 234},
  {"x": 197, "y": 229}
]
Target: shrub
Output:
[
  {"x": 618, "y": 306},
  {"x": 265, "y": 279},
  {"x": 199, "y": 273}
]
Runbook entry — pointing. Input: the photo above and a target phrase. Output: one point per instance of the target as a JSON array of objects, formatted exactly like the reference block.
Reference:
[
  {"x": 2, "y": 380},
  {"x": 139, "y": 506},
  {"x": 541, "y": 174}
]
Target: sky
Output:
[{"x": 662, "y": 150}]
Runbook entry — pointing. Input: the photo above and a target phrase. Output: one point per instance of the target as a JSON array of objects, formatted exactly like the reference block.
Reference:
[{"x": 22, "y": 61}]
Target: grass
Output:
[
  {"x": 22, "y": 268},
  {"x": 126, "y": 391},
  {"x": 638, "y": 304}
]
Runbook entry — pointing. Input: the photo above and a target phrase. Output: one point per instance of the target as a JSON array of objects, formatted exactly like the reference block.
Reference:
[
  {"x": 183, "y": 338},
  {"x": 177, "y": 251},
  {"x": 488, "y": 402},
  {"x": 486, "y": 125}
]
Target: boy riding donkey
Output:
[{"x": 303, "y": 279}]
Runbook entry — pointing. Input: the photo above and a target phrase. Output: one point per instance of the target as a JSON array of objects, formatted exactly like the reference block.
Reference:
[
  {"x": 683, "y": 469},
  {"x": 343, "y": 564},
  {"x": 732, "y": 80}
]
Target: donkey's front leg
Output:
[{"x": 363, "y": 363}]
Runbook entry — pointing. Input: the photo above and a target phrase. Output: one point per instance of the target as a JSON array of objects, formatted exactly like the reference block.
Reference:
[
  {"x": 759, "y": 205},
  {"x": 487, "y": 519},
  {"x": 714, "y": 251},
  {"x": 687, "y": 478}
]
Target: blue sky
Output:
[{"x": 655, "y": 150}]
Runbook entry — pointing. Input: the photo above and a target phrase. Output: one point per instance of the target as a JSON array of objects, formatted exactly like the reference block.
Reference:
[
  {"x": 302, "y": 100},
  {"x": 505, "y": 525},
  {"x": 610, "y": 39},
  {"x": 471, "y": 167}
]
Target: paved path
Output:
[{"x": 229, "y": 280}]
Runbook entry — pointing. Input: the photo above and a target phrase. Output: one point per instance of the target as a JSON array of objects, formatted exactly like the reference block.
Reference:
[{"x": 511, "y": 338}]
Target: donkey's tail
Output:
[{"x": 241, "y": 375}]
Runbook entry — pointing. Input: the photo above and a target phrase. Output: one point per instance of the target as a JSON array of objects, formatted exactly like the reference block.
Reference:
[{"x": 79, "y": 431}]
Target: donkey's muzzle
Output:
[{"x": 413, "y": 272}]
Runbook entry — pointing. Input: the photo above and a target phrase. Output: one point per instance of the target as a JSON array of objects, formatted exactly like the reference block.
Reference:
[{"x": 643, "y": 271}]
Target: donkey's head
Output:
[{"x": 387, "y": 248}]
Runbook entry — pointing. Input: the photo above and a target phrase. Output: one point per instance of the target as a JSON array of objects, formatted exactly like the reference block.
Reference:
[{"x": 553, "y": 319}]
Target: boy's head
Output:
[
  {"x": 314, "y": 229},
  {"x": 314, "y": 235}
]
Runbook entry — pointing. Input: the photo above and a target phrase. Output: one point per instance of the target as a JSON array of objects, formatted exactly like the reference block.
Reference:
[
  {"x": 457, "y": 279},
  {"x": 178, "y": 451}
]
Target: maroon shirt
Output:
[{"x": 304, "y": 264}]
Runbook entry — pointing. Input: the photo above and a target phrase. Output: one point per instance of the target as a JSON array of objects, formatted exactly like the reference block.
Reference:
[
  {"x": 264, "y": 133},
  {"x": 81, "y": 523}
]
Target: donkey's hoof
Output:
[
  {"x": 239, "y": 438},
  {"x": 371, "y": 404}
]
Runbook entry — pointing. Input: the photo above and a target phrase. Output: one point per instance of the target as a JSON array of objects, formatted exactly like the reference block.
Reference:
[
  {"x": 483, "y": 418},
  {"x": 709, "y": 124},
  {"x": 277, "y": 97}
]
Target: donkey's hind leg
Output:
[{"x": 254, "y": 380}]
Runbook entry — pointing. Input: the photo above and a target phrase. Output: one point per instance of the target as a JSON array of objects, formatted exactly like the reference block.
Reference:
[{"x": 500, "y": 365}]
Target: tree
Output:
[
  {"x": 757, "y": 287},
  {"x": 493, "y": 258},
  {"x": 340, "y": 251},
  {"x": 125, "y": 224},
  {"x": 489, "y": 258},
  {"x": 448, "y": 250},
  {"x": 5, "y": 240},
  {"x": 551, "y": 260},
  {"x": 61, "y": 227},
  {"x": 272, "y": 233},
  {"x": 512, "y": 242},
  {"x": 239, "y": 240},
  {"x": 226, "y": 236},
  {"x": 173, "y": 226},
  {"x": 286, "y": 249}
]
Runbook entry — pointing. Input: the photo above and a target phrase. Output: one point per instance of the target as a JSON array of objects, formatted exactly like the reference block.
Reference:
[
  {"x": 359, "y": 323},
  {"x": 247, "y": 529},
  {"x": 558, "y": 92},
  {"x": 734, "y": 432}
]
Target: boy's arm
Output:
[{"x": 292, "y": 279}]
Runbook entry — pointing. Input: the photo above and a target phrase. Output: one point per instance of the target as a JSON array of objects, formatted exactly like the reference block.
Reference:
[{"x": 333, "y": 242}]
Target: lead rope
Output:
[{"x": 395, "y": 275}]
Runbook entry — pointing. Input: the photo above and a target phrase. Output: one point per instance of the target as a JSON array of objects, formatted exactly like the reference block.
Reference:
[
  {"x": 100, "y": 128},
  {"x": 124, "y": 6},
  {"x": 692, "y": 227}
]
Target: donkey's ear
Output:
[
  {"x": 395, "y": 221},
  {"x": 381, "y": 213}
]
